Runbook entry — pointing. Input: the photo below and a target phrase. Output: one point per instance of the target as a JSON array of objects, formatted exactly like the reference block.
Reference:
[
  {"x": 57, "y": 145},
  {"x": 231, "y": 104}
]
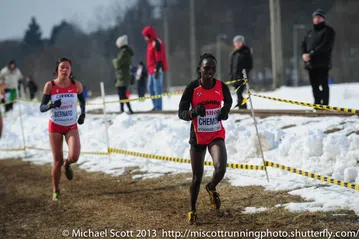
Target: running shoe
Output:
[
  {"x": 192, "y": 217},
  {"x": 68, "y": 172},
  {"x": 55, "y": 196},
  {"x": 214, "y": 197}
]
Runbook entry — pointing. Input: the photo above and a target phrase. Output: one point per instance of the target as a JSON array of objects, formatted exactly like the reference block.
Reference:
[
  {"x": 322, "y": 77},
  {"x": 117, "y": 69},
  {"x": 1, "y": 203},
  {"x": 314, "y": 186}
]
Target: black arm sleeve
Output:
[
  {"x": 159, "y": 65},
  {"x": 44, "y": 106},
  {"x": 227, "y": 101},
  {"x": 326, "y": 45},
  {"x": 82, "y": 102},
  {"x": 304, "y": 45},
  {"x": 183, "y": 111},
  {"x": 230, "y": 68},
  {"x": 249, "y": 61},
  {"x": 235, "y": 62}
]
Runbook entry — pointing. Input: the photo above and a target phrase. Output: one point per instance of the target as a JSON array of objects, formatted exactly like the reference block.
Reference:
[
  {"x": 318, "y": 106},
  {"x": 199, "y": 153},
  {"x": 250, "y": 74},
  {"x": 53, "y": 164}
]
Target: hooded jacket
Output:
[
  {"x": 156, "y": 54},
  {"x": 122, "y": 65}
]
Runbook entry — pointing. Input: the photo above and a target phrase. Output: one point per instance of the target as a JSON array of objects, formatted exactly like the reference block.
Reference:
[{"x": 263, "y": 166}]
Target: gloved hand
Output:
[
  {"x": 56, "y": 104},
  {"x": 157, "y": 73},
  {"x": 198, "y": 111},
  {"x": 3, "y": 101},
  {"x": 223, "y": 115},
  {"x": 81, "y": 118}
]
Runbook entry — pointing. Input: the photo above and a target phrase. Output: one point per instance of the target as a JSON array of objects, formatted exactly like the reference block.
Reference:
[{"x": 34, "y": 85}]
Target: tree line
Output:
[{"x": 92, "y": 52}]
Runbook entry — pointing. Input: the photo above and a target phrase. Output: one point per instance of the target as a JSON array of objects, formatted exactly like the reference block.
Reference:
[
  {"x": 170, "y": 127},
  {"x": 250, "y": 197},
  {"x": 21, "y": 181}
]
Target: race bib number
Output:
[{"x": 209, "y": 123}]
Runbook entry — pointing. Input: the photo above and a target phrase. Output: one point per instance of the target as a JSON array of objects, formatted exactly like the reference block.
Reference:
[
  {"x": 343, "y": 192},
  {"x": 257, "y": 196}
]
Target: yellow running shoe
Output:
[
  {"x": 192, "y": 217},
  {"x": 214, "y": 197},
  {"x": 55, "y": 196}
]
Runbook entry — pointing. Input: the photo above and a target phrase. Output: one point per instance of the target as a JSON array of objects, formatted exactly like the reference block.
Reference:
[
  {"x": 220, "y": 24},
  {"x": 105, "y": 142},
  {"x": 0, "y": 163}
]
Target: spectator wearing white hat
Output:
[{"x": 122, "y": 65}]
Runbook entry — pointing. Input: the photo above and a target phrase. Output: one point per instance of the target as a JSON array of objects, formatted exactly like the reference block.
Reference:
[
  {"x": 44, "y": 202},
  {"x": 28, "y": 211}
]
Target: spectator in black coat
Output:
[
  {"x": 241, "y": 59},
  {"x": 317, "y": 53},
  {"x": 31, "y": 87}
]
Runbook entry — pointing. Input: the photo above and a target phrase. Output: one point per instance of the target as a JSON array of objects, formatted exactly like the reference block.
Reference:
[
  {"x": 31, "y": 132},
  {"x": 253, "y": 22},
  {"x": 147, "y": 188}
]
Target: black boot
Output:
[
  {"x": 122, "y": 108},
  {"x": 129, "y": 108}
]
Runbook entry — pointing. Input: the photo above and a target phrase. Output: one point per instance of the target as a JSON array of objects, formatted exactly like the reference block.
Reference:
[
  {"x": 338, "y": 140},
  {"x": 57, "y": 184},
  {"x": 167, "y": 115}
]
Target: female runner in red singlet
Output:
[
  {"x": 206, "y": 95},
  {"x": 63, "y": 93}
]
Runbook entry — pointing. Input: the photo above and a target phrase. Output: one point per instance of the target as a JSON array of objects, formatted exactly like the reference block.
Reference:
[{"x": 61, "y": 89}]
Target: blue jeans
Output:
[{"x": 155, "y": 88}]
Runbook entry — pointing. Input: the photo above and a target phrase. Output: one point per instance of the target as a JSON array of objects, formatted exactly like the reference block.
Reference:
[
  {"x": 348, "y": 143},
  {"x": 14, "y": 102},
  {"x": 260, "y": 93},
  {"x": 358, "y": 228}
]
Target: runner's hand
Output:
[
  {"x": 223, "y": 115},
  {"x": 56, "y": 104},
  {"x": 198, "y": 111},
  {"x": 81, "y": 118}
]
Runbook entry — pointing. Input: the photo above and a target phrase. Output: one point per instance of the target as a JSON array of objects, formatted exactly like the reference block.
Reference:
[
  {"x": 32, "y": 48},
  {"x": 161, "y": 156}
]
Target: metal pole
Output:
[
  {"x": 296, "y": 54},
  {"x": 167, "y": 43},
  {"x": 219, "y": 58},
  {"x": 276, "y": 43},
  {"x": 21, "y": 122},
  {"x": 192, "y": 36},
  {"x": 255, "y": 124},
  {"x": 295, "y": 57},
  {"x": 105, "y": 119},
  {"x": 219, "y": 39}
]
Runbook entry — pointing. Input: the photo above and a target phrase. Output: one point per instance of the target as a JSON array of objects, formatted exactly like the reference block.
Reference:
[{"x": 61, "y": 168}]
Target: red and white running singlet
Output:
[
  {"x": 66, "y": 114},
  {"x": 208, "y": 128}
]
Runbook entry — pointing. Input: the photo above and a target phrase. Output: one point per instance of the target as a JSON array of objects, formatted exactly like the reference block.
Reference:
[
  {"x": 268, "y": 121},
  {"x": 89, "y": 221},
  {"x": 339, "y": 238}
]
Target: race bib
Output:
[{"x": 209, "y": 123}]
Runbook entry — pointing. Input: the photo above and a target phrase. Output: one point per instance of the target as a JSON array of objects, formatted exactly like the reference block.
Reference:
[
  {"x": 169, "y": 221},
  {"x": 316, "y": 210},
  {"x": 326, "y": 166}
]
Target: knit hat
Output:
[
  {"x": 238, "y": 38},
  {"x": 319, "y": 12},
  {"x": 122, "y": 41}
]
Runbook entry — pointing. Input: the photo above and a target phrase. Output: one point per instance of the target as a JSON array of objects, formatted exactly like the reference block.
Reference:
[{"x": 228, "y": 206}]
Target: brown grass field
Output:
[{"x": 96, "y": 201}]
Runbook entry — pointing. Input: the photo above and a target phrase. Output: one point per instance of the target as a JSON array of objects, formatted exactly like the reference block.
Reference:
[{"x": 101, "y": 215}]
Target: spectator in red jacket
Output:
[{"x": 156, "y": 64}]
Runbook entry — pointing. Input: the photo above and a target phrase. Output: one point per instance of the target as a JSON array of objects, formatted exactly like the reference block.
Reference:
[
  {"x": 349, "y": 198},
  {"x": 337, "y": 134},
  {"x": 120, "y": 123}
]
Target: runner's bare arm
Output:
[{"x": 79, "y": 87}]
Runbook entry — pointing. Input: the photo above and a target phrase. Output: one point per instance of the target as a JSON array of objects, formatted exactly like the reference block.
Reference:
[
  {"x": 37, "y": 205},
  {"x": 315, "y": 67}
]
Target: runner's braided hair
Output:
[{"x": 202, "y": 57}]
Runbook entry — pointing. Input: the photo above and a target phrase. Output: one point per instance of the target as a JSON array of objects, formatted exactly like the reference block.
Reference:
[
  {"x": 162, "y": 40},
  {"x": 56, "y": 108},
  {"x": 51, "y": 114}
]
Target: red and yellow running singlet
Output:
[{"x": 208, "y": 128}]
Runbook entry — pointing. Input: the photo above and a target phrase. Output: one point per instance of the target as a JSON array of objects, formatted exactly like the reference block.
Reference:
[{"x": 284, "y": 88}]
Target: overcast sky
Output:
[{"x": 15, "y": 15}]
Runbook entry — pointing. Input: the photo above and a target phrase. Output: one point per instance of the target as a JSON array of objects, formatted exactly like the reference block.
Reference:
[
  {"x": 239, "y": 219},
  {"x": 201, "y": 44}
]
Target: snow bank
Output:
[{"x": 305, "y": 146}]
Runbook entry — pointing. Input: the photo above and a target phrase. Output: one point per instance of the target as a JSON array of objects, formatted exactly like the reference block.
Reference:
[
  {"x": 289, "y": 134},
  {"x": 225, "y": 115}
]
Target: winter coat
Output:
[
  {"x": 156, "y": 53},
  {"x": 122, "y": 65},
  {"x": 31, "y": 85},
  {"x": 319, "y": 43},
  {"x": 10, "y": 78},
  {"x": 241, "y": 59}
]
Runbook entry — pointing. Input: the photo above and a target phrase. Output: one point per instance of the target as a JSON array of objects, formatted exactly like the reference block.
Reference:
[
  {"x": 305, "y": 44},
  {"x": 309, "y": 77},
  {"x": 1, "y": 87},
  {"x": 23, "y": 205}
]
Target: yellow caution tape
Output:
[
  {"x": 82, "y": 152},
  {"x": 243, "y": 83},
  {"x": 12, "y": 150},
  {"x": 315, "y": 106},
  {"x": 229, "y": 165},
  {"x": 234, "y": 81},
  {"x": 140, "y": 98},
  {"x": 244, "y": 101},
  {"x": 181, "y": 160},
  {"x": 166, "y": 94},
  {"x": 313, "y": 175},
  {"x": 146, "y": 98}
]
